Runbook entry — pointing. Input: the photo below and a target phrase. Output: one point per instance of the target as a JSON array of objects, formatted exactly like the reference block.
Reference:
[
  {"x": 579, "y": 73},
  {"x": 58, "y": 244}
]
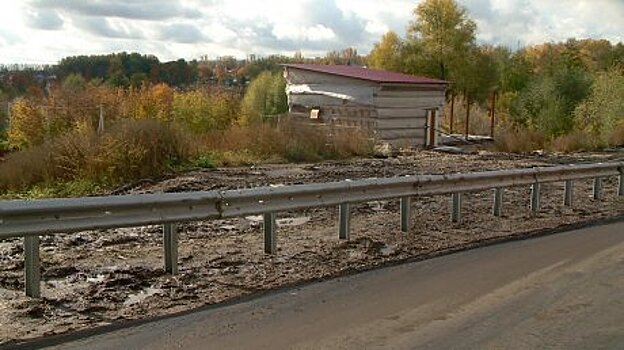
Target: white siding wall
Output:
[{"x": 395, "y": 113}]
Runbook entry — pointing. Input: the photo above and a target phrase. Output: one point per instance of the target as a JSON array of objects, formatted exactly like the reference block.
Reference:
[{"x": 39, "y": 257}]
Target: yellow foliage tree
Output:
[{"x": 27, "y": 125}]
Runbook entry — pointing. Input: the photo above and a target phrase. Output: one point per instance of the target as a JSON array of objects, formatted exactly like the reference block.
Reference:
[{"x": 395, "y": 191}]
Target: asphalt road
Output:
[{"x": 564, "y": 291}]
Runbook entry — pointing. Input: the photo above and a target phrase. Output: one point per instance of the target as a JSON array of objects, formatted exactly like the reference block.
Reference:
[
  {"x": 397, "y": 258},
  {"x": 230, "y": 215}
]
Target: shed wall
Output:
[{"x": 395, "y": 113}]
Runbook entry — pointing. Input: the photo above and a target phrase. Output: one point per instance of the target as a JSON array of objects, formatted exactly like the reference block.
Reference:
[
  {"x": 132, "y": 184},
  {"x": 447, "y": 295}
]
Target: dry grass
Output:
[
  {"x": 479, "y": 119},
  {"x": 617, "y": 135},
  {"x": 131, "y": 150},
  {"x": 518, "y": 139},
  {"x": 78, "y": 162},
  {"x": 575, "y": 141},
  {"x": 286, "y": 142}
]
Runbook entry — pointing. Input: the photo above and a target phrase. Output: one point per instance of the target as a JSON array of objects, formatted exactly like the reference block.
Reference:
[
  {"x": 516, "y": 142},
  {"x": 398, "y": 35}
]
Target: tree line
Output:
[{"x": 553, "y": 89}]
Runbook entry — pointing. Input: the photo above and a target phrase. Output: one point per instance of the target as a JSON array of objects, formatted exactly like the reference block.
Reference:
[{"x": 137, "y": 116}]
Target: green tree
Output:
[
  {"x": 74, "y": 83},
  {"x": 266, "y": 95},
  {"x": 445, "y": 32},
  {"x": 386, "y": 54},
  {"x": 603, "y": 111}
]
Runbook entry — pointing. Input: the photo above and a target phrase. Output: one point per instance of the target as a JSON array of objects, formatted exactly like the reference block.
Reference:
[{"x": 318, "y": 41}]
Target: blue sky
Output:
[{"x": 44, "y": 31}]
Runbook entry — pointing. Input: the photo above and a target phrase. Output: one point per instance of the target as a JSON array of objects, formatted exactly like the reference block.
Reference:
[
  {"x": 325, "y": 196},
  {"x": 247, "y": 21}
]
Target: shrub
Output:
[
  {"x": 200, "y": 111},
  {"x": 603, "y": 111},
  {"x": 131, "y": 150},
  {"x": 518, "y": 139},
  {"x": 265, "y": 96}
]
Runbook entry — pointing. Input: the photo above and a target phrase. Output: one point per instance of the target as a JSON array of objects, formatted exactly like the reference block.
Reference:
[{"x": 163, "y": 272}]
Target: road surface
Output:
[{"x": 564, "y": 291}]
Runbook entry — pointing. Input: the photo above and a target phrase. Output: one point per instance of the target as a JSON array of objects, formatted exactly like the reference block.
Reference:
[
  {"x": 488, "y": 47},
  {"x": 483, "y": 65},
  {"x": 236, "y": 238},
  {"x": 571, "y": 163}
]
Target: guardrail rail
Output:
[{"x": 31, "y": 219}]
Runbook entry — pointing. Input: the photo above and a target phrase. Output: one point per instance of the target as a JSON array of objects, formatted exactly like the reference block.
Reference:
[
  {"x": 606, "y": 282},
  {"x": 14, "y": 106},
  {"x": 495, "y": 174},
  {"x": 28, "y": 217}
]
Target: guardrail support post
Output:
[
  {"x": 170, "y": 237},
  {"x": 456, "y": 213},
  {"x": 32, "y": 264},
  {"x": 406, "y": 211},
  {"x": 597, "y": 192},
  {"x": 498, "y": 201},
  {"x": 568, "y": 193},
  {"x": 621, "y": 187},
  {"x": 344, "y": 225},
  {"x": 270, "y": 239},
  {"x": 535, "y": 197}
]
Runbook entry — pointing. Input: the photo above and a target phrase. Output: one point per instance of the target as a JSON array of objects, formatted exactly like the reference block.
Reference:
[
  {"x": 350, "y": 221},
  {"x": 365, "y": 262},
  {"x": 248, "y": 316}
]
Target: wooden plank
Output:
[
  {"x": 401, "y": 113},
  {"x": 404, "y": 102},
  {"x": 413, "y": 87},
  {"x": 405, "y": 142},
  {"x": 401, "y": 123},
  {"x": 401, "y": 133},
  {"x": 315, "y": 100},
  {"x": 411, "y": 94}
]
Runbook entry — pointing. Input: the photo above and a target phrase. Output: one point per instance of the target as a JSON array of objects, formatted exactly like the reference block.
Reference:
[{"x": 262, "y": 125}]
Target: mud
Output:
[{"x": 99, "y": 277}]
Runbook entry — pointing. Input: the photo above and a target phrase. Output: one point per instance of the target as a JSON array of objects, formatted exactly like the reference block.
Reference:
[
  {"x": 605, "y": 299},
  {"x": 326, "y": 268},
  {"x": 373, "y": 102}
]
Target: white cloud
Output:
[{"x": 39, "y": 31}]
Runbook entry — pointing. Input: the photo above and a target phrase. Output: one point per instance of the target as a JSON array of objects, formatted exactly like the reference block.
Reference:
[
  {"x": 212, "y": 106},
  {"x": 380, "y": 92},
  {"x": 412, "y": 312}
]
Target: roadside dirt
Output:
[{"x": 100, "y": 277}]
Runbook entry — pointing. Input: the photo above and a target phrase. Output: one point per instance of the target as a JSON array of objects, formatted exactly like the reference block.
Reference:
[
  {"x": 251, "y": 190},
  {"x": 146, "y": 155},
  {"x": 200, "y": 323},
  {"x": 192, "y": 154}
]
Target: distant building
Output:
[{"x": 401, "y": 109}]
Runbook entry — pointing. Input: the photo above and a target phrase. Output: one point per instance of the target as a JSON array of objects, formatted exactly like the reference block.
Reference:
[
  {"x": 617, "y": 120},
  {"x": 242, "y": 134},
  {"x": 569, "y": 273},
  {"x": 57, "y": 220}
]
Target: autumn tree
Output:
[
  {"x": 27, "y": 124},
  {"x": 445, "y": 34},
  {"x": 386, "y": 54}
]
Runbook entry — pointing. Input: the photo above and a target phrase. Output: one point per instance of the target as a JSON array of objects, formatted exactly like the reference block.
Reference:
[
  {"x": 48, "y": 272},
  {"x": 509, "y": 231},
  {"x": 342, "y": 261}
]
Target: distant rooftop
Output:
[{"x": 362, "y": 73}]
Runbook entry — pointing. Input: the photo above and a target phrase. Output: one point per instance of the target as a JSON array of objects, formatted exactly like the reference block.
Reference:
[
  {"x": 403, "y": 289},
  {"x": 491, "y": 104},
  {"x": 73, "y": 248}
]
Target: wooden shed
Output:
[{"x": 401, "y": 109}]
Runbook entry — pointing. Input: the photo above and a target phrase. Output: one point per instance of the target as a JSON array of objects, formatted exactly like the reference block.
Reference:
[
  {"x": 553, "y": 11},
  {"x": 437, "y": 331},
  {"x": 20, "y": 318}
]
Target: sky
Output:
[{"x": 44, "y": 31}]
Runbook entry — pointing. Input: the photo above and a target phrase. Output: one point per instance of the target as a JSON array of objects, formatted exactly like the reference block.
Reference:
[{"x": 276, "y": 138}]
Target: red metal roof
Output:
[{"x": 358, "y": 72}]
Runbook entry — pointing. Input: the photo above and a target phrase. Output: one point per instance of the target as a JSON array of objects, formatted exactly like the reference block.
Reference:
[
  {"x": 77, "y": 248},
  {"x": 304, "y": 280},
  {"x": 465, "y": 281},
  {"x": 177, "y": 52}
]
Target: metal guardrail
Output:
[{"x": 30, "y": 219}]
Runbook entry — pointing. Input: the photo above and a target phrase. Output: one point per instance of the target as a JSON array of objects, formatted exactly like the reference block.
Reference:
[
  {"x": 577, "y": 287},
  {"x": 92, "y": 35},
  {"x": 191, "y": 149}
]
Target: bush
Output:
[
  {"x": 285, "y": 142},
  {"x": 265, "y": 96},
  {"x": 602, "y": 114},
  {"x": 518, "y": 139},
  {"x": 200, "y": 111},
  {"x": 129, "y": 151}
]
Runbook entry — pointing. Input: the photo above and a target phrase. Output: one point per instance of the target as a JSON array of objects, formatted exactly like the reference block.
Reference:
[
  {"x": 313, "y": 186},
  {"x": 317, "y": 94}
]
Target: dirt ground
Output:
[{"x": 96, "y": 278}]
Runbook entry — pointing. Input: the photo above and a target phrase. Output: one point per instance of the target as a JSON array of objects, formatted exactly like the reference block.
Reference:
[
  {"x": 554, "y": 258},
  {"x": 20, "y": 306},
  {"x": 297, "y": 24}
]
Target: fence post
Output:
[
  {"x": 498, "y": 201},
  {"x": 535, "y": 197},
  {"x": 270, "y": 239},
  {"x": 456, "y": 212},
  {"x": 406, "y": 205},
  {"x": 597, "y": 192},
  {"x": 568, "y": 193},
  {"x": 170, "y": 237},
  {"x": 344, "y": 223},
  {"x": 32, "y": 265},
  {"x": 621, "y": 181}
]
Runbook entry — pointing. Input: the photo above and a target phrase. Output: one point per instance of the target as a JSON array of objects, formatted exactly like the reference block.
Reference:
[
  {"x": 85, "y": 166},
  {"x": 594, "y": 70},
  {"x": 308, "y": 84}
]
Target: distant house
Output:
[{"x": 401, "y": 109}]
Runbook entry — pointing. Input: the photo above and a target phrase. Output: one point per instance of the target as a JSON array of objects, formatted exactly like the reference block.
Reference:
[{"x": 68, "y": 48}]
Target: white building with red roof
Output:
[{"x": 403, "y": 110}]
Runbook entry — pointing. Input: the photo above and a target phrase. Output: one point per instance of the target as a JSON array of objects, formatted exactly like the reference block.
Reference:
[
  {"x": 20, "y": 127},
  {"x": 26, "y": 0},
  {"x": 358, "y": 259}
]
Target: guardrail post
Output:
[
  {"x": 270, "y": 239},
  {"x": 498, "y": 201},
  {"x": 344, "y": 211},
  {"x": 456, "y": 213},
  {"x": 535, "y": 197},
  {"x": 406, "y": 206},
  {"x": 32, "y": 267},
  {"x": 621, "y": 182},
  {"x": 597, "y": 192},
  {"x": 170, "y": 237},
  {"x": 568, "y": 193}
]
